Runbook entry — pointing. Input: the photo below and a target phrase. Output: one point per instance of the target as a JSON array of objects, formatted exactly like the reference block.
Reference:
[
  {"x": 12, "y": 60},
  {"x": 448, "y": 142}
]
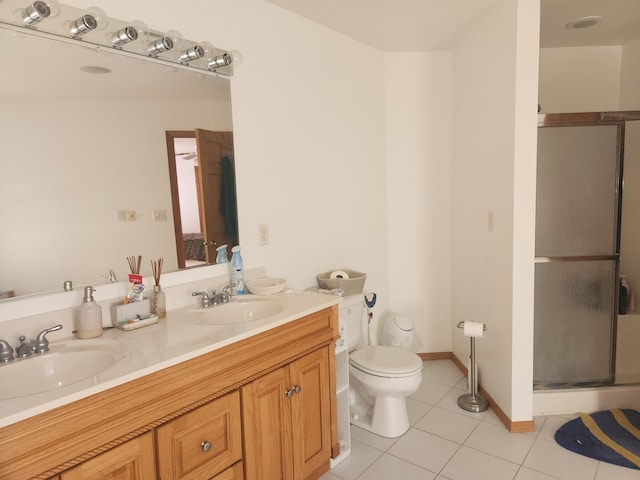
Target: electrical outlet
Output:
[
  {"x": 263, "y": 234},
  {"x": 159, "y": 215},
  {"x": 131, "y": 215},
  {"x": 122, "y": 215}
]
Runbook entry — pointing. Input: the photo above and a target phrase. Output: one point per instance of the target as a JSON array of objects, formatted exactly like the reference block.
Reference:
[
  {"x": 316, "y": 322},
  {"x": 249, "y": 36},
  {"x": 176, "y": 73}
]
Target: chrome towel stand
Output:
[{"x": 473, "y": 402}]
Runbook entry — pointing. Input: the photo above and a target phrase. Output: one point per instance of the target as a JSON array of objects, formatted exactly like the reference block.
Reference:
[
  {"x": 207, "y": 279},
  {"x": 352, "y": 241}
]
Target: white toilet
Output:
[{"x": 380, "y": 377}]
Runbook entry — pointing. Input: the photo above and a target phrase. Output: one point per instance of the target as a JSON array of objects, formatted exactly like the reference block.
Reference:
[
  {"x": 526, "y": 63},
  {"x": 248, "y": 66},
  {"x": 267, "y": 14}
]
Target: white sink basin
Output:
[
  {"x": 64, "y": 364},
  {"x": 238, "y": 310}
]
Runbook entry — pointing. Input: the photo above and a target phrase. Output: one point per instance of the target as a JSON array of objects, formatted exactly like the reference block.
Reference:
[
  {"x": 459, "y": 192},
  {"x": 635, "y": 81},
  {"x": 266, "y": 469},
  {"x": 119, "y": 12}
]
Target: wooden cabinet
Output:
[
  {"x": 286, "y": 420},
  {"x": 201, "y": 443},
  {"x": 241, "y": 395},
  {"x": 132, "y": 460}
]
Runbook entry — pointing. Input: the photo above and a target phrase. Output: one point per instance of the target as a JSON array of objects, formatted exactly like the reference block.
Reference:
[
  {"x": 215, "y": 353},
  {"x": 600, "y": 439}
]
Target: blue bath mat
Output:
[{"x": 611, "y": 436}]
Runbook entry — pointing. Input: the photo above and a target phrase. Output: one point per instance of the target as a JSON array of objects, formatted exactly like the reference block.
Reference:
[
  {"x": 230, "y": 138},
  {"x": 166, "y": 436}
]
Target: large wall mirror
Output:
[{"x": 83, "y": 138}]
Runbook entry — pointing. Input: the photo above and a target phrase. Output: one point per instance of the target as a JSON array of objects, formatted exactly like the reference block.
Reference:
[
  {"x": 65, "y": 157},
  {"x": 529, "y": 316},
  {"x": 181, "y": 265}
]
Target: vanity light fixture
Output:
[
  {"x": 94, "y": 19},
  {"x": 136, "y": 30},
  {"x": 84, "y": 25},
  {"x": 170, "y": 41},
  {"x": 220, "y": 61},
  {"x": 37, "y": 11},
  {"x": 196, "y": 52}
]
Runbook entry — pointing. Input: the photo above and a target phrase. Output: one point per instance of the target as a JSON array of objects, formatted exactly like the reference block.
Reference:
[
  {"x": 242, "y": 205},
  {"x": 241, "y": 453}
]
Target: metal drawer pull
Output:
[
  {"x": 206, "y": 446},
  {"x": 297, "y": 389}
]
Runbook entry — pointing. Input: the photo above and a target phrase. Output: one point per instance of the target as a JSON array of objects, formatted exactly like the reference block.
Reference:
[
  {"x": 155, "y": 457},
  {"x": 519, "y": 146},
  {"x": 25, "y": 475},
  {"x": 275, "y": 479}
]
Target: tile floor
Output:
[{"x": 448, "y": 443}]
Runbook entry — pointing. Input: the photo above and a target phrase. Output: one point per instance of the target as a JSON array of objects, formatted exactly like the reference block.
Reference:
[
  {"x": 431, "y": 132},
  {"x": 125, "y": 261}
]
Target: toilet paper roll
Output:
[
  {"x": 339, "y": 274},
  {"x": 473, "y": 329}
]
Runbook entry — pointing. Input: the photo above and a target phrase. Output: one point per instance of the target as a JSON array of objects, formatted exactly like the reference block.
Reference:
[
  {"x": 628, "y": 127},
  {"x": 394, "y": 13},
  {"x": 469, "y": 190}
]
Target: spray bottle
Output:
[{"x": 237, "y": 274}]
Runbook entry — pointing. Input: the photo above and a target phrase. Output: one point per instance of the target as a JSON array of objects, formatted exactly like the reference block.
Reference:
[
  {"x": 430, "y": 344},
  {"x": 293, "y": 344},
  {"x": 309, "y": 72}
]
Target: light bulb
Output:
[
  {"x": 202, "y": 49},
  {"x": 36, "y": 12},
  {"x": 136, "y": 31},
  {"x": 218, "y": 61},
  {"x": 170, "y": 41},
  {"x": 93, "y": 19}
]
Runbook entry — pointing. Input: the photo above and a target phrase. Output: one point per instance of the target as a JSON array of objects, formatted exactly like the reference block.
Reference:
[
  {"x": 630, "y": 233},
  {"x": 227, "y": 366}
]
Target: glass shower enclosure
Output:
[{"x": 577, "y": 249}]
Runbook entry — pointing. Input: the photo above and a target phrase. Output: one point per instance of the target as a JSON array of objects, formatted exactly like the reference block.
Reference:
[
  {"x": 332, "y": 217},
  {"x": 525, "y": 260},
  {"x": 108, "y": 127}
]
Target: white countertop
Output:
[{"x": 181, "y": 336}]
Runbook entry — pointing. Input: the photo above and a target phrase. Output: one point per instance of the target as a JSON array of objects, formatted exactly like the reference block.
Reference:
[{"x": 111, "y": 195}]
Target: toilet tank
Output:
[{"x": 350, "y": 312}]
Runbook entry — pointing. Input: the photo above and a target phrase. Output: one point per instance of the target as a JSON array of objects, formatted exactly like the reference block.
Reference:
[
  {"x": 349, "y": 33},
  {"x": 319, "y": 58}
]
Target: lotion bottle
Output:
[{"x": 89, "y": 320}]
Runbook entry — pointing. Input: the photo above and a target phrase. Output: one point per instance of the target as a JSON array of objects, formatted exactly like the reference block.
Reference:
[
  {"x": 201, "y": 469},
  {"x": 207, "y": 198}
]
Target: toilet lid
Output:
[{"x": 386, "y": 361}]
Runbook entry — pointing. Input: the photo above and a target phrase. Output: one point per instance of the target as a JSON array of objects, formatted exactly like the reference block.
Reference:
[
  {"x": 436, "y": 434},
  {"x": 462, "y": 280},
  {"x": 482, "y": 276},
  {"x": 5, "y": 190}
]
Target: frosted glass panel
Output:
[
  {"x": 573, "y": 321},
  {"x": 577, "y": 191}
]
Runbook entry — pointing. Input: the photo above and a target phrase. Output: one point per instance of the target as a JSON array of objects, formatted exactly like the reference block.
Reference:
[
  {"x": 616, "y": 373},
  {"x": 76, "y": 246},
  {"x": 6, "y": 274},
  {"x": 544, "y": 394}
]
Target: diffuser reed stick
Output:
[
  {"x": 134, "y": 264},
  {"x": 156, "y": 268}
]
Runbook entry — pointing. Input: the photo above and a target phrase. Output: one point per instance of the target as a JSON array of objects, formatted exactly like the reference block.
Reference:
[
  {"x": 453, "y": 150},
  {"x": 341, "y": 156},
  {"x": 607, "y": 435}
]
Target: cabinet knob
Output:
[
  {"x": 290, "y": 391},
  {"x": 206, "y": 446}
]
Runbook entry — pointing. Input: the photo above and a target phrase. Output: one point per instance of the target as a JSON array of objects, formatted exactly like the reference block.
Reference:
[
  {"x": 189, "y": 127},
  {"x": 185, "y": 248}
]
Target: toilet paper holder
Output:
[
  {"x": 484, "y": 326},
  {"x": 473, "y": 402}
]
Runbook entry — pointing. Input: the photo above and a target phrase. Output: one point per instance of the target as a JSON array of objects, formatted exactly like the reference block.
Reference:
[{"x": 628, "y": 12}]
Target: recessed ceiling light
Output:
[
  {"x": 584, "y": 22},
  {"x": 95, "y": 69}
]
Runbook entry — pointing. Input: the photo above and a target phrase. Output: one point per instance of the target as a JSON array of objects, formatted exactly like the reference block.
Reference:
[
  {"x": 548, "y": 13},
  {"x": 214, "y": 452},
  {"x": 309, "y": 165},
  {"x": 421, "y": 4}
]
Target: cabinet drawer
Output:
[
  {"x": 231, "y": 473},
  {"x": 203, "y": 442}
]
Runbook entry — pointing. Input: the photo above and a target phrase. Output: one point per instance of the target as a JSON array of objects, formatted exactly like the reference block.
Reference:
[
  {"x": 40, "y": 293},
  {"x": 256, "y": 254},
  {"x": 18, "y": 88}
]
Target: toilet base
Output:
[{"x": 390, "y": 418}]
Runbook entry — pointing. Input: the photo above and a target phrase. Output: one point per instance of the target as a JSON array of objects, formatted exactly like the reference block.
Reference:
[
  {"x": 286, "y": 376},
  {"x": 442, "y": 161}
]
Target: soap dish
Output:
[
  {"x": 265, "y": 286},
  {"x": 134, "y": 323}
]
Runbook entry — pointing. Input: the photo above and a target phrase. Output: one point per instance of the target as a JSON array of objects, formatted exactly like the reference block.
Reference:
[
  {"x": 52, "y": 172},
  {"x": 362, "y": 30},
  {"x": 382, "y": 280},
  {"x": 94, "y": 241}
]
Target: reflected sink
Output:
[
  {"x": 239, "y": 310},
  {"x": 64, "y": 364}
]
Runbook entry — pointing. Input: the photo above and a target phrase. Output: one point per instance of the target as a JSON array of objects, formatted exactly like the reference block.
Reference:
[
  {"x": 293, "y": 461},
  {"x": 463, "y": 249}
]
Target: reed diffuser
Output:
[{"x": 158, "y": 302}]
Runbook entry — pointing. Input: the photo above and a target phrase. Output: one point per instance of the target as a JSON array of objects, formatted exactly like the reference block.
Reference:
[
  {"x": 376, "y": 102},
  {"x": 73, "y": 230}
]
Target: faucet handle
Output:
[
  {"x": 26, "y": 347},
  {"x": 6, "y": 352},
  {"x": 42, "y": 344},
  {"x": 206, "y": 302}
]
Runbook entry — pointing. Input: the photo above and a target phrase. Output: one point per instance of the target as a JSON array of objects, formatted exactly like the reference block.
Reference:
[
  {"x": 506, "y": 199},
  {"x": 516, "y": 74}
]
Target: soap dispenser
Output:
[{"x": 89, "y": 320}]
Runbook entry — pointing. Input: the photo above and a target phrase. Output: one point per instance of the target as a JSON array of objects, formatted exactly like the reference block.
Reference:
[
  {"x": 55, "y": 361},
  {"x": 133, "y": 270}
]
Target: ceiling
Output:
[{"x": 422, "y": 25}]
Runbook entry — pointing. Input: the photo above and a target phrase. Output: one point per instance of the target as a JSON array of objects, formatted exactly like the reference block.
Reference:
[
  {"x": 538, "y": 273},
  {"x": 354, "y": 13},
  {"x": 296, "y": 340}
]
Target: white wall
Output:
[
  {"x": 419, "y": 148},
  {"x": 580, "y": 79},
  {"x": 630, "y": 73},
  {"x": 490, "y": 271}
]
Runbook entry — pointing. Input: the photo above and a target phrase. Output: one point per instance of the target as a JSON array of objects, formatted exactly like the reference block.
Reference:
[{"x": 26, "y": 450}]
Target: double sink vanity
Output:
[{"x": 244, "y": 390}]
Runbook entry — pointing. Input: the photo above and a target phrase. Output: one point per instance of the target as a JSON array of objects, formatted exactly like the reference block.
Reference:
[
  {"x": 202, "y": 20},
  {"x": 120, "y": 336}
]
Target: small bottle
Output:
[
  {"x": 237, "y": 274},
  {"x": 158, "y": 302},
  {"x": 89, "y": 320},
  {"x": 623, "y": 303},
  {"x": 222, "y": 254}
]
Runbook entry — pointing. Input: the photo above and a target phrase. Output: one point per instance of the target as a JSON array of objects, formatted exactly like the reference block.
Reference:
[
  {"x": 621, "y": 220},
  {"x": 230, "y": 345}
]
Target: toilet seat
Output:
[{"x": 383, "y": 361}]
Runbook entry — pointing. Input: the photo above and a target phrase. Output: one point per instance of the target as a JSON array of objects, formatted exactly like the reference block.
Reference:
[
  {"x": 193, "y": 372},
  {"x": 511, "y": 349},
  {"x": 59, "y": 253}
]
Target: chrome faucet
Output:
[
  {"x": 6, "y": 352},
  {"x": 42, "y": 344},
  {"x": 206, "y": 301},
  {"x": 27, "y": 347},
  {"x": 222, "y": 297}
]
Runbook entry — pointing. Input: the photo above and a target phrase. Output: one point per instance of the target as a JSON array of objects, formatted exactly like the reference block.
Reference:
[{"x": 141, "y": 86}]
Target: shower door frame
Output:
[{"x": 595, "y": 119}]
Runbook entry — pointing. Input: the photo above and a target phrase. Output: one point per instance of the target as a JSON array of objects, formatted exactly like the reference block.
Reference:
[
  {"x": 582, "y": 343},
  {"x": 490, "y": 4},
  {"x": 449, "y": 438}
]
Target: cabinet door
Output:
[
  {"x": 133, "y": 460},
  {"x": 267, "y": 427},
  {"x": 311, "y": 413},
  {"x": 201, "y": 443}
]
